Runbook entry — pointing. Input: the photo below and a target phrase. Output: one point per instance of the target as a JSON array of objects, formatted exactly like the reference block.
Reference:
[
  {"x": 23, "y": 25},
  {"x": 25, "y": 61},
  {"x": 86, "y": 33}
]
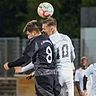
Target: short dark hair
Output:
[
  {"x": 31, "y": 25},
  {"x": 50, "y": 21}
]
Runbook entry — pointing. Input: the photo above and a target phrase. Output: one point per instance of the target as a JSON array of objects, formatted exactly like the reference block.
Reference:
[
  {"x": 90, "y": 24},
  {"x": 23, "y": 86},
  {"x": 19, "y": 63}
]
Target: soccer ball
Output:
[{"x": 45, "y": 10}]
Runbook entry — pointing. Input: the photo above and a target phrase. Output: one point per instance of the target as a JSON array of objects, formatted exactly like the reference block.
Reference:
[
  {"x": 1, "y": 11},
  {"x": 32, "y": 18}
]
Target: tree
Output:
[
  {"x": 15, "y": 14},
  {"x": 12, "y": 14}
]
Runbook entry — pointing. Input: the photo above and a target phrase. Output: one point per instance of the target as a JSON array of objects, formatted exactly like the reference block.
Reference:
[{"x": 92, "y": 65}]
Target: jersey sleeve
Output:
[
  {"x": 20, "y": 61},
  {"x": 72, "y": 48},
  {"x": 72, "y": 51},
  {"x": 27, "y": 67},
  {"x": 32, "y": 49},
  {"x": 77, "y": 75},
  {"x": 72, "y": 54}
]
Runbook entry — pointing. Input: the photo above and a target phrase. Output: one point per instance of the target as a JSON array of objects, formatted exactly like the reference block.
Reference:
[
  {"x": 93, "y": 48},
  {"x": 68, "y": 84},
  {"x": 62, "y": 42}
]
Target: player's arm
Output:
[
  {"x": 28, "y": 53},
  {"x": 31, "y": 51},
  {"x": 24, "y": 68},
  {"x": 72, "y": 48},
  {"x": 72, "y": 55},
  {"x": 18, "y": 62},
  {"x": 72, "y": 52}
]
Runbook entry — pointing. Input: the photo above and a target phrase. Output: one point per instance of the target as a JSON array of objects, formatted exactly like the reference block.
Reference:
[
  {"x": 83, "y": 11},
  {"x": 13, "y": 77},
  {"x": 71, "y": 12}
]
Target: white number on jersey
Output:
[
  {"x": 49, "y": 54},
  {"x": 64, "y": 51}
]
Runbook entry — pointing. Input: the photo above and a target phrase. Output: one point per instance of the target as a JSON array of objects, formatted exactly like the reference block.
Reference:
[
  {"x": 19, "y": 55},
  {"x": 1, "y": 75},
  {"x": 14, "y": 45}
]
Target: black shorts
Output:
[{"x": 47, "y": 85}]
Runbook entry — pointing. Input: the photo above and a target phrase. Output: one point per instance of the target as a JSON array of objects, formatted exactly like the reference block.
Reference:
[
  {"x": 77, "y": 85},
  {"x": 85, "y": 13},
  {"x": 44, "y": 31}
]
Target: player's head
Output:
[
  {"x": 84, "y": 62},
  {"x": 49, "y": 25},
  {"x": 32, "y": 29}
]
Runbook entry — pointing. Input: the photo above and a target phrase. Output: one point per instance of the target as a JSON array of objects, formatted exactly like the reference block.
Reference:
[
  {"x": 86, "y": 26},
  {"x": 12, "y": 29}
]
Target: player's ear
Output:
[{"x": 52, "y": 28}]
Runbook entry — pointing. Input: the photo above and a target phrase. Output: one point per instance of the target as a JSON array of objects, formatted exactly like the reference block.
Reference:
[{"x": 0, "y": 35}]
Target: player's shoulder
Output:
[
  {"x": 41, "y": 38},
  {"x": 93, "y": 65},
  {"x": 79, "y": 69},
  {"x": 64, "y": 36}
]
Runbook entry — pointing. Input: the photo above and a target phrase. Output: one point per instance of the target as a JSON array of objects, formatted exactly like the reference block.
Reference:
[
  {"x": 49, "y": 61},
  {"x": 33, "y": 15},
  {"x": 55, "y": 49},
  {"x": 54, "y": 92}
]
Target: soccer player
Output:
[
  {"x": 91, "y": 70},
  {"x": 40, "y": 51},
  {"x": 64, "y": 54},
  {"x": 79, "y": 76}
]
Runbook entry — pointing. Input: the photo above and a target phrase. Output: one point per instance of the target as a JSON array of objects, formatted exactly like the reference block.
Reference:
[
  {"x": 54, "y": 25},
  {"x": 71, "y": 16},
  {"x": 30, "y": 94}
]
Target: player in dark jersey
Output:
[{"x": 40, "y": 51}]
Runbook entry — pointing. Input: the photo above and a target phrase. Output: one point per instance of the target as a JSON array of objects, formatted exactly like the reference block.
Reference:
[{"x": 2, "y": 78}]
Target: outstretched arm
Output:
[
  {"x": 24, "y": 68},
  {"x": 18, "y": 62}
]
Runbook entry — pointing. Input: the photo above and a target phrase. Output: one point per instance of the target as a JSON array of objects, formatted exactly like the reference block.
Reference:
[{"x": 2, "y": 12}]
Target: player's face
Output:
[
  {"x": 30, "y": 34},
  {"x": 47, "y": 29},
  {"x": 84, "y": 63}
]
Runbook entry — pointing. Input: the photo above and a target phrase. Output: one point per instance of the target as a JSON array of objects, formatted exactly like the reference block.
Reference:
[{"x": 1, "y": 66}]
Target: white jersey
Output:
[
  {"x": 91, "y": 70},
  {"x": 79, "y": 74},
  {"x": 64, "y": 50}
]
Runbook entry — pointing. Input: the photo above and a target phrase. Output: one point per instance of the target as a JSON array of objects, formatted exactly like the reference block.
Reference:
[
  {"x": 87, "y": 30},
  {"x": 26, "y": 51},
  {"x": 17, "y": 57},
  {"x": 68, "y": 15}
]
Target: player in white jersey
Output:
[
  {"x": 79, "y": 75},
  {"x": 64, "y": 55},
  {"x": 91, "y": 70}
]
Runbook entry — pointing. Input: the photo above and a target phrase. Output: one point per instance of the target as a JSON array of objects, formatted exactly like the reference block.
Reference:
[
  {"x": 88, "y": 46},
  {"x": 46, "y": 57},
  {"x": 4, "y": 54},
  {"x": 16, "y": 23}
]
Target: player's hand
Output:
[
  {"x": 30, "y": 76},
  {"x": 84, "y": 93},
  {"x": 18, "y": 69},
  {"x": 6, "y": 66}
]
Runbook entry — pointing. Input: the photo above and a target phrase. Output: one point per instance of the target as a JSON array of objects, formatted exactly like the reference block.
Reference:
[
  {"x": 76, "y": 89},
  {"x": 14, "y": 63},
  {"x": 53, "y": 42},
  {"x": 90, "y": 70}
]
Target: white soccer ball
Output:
[{"x": 45, "y": 10}]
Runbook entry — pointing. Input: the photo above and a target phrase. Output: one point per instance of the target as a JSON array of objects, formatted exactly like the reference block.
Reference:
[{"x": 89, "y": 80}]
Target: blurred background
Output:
[{"x": 76, "y": 18}]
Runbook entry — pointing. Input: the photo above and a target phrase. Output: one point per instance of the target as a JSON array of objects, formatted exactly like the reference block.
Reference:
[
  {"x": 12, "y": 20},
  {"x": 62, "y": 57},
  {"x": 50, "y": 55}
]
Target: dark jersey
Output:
[{"x": 41, "y": 51}]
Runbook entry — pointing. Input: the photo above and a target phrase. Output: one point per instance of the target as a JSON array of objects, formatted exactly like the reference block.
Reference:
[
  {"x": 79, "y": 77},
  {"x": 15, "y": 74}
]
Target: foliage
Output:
[
  {"x": 14, "y": 14},
  {"x": 88, "y": 3},
  {"x": 67, "y": 13}
]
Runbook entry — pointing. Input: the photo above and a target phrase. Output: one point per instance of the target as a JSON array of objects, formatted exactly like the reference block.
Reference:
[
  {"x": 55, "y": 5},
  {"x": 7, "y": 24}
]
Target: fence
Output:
[
  {"x": 12, "y": 48},
  {"x": 8, "y": 87},
  {"x": 9, "y": 50}
]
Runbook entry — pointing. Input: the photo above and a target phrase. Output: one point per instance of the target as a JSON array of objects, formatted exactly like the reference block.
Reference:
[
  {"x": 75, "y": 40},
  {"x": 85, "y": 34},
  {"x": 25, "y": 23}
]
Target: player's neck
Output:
[
  {"x": 37, "y": 34},
  {"x": 84, "y": 67},
  {"x": 54, "y": 31}
]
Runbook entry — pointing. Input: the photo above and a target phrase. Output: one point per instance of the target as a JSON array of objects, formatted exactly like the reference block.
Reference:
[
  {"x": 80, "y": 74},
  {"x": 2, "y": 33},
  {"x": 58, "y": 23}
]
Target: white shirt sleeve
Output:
[
  {"x": 72, "y": 49},
  {"x": 72, "y": 55},
  {"x": 27, "y": 67},
  {"x": 77, "y": 75}
]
